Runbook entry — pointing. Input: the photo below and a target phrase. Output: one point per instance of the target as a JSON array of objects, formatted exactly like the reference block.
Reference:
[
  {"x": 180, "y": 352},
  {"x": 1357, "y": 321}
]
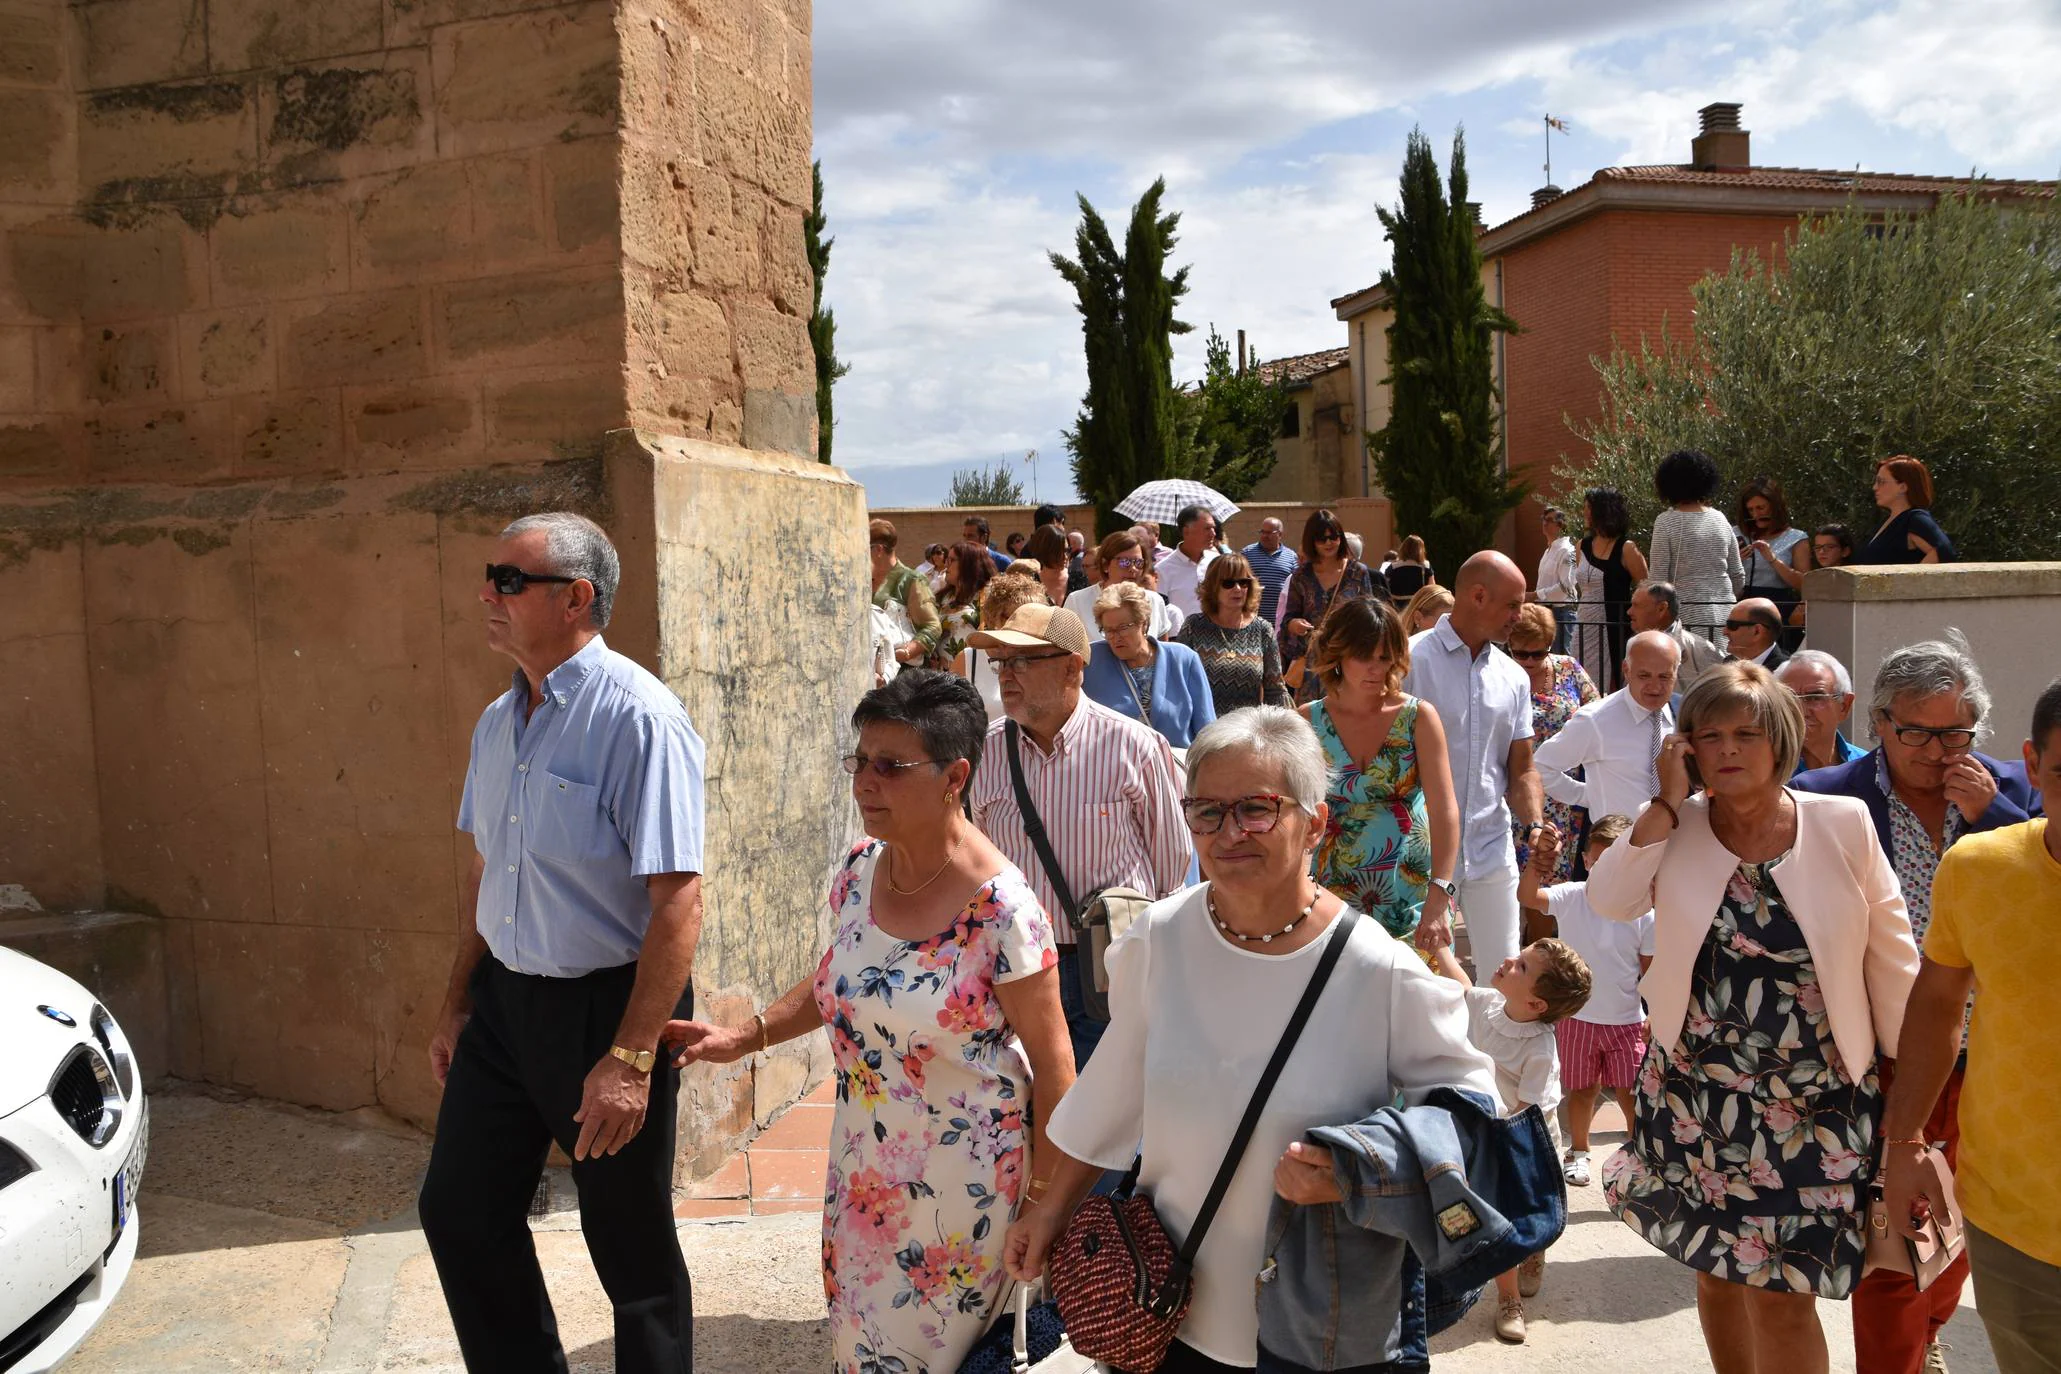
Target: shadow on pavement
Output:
[{"x": 732, "y": 1343}]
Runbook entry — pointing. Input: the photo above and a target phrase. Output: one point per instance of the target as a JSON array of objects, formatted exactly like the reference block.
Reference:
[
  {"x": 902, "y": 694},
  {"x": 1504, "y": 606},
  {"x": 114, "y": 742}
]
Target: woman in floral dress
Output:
[
  {"x": 1782, "y": 964},
  {"x": 1559, "y": 688},
  {"x": 1394, "y": 822},
  {"x": 940, "y": 989}
]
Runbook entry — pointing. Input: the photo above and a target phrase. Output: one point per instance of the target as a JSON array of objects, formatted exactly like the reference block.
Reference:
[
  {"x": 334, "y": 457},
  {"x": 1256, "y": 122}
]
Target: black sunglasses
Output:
[{"x": 510, "y": 580}]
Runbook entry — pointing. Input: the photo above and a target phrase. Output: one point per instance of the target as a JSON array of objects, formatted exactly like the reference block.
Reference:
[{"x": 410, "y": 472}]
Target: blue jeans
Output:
[
  {"x": 1563, "y": 618},
  {"x": 1084, "y": 1030}
]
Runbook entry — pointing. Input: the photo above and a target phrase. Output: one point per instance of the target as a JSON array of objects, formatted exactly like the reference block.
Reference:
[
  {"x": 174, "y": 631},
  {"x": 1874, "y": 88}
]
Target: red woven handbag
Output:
[{"x": 1121, "y": 1286}]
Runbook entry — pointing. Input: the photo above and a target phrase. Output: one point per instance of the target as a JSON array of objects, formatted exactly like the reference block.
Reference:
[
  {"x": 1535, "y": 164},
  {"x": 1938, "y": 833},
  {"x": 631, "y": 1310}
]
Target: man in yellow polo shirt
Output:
[{"x": 1996, "y": 912}]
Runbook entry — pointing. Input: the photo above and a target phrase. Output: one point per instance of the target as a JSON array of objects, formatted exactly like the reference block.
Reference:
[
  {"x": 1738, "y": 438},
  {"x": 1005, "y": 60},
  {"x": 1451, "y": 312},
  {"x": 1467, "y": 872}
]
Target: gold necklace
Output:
[{"x": 950, "y": 851}]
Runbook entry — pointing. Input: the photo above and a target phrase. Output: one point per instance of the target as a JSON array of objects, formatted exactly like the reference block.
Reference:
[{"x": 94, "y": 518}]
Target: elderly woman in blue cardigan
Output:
[{"x": 1149, "y": 680}]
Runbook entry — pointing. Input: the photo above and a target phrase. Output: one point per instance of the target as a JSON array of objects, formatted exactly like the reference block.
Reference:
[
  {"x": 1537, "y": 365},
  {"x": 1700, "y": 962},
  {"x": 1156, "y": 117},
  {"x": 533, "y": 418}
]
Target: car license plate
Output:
[{"x": 131, "y": 1177}]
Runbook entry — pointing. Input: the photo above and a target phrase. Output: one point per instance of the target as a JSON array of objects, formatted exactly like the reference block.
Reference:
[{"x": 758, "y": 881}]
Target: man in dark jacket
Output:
[{"x": 1926, "y": 787}]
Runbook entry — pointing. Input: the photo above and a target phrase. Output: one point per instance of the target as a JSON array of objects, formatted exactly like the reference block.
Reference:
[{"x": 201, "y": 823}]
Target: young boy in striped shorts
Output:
[{"x": 1601, "y": 1046}]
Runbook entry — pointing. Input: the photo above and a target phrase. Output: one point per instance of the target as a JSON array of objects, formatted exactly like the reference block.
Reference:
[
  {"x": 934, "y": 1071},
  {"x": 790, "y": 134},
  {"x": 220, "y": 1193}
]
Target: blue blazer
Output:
[
  {"x": 2016, "y": 800},
  {"x": 1181, "y": 699}
]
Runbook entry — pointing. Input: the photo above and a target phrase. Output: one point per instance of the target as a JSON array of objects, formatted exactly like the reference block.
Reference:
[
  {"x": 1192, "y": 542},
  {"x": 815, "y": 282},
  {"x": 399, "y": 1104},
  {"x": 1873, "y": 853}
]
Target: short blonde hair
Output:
[
  {"x": 1007, "y": 593},
  {"x": 1535, "y": 625},
  {"x": 1431, "y": 599},
  {"x": 1562, "y": 982},
  {"x": 1740, "y": 686},
  {"x": 1604, "y": 830},
  {"x": 1124, "y": 596}
]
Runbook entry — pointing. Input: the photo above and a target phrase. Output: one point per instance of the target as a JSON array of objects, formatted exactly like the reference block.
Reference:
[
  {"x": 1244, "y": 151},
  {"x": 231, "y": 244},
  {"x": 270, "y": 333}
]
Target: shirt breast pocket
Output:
[{"x": 568, "y": 822}]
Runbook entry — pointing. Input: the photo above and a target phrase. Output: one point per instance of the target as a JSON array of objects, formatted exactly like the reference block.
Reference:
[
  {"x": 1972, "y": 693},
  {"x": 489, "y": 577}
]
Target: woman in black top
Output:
[
  {"x": 1910, "y": 535},
  {"x": 1410, "y": 570},
  {"x": 1610, "y": 567}
]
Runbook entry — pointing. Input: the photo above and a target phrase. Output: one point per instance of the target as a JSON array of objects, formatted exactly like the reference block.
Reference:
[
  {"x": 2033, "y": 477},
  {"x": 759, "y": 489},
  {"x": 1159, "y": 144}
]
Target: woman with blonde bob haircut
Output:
[
  {"x": 1782, "y": 964},
  {"x": 1430, "y": 602},
  {"x": 1394, "y": 831}
]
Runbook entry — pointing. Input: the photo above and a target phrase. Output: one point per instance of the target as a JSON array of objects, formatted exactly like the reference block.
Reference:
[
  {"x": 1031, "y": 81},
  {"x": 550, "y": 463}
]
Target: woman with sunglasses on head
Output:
[
  {"x": 1329, "y": 576},
  {"x": 1560, "y": 686},
  {"x": 1393, "y": 835},
  {"x": 1174, "y": 1073},
  {"x": 1239, "y": 652},
  {"x": 941, "y": 993},
  {"x": 968, "y": 570},
  {"x": 1124, "y": 558}
]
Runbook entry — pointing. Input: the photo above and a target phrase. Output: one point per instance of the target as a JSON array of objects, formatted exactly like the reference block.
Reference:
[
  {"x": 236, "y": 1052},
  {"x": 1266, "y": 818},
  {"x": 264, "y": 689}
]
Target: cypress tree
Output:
[
  {"x": 1129, "y": 429},
  {"x": 822, "y": 323},
  {"x": 1440, "y": 459}
]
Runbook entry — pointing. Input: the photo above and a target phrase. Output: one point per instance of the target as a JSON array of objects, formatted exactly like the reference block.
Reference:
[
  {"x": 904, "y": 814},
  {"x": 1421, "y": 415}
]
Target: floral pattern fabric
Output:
[
  {"x": 1307, "y": 600},
  {"x": 1752, "y": 1147},
  {"x": 928, "y": 1144},
  {"x": 956, "y": 625},
  {"x": 1375, "y": 853},
  {"x": 1550, "y": 710}
]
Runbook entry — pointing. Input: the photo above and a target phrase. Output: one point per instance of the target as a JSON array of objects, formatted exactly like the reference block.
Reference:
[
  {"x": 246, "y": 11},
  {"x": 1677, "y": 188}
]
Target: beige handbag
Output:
[{"x": 1940, "y": 1241}]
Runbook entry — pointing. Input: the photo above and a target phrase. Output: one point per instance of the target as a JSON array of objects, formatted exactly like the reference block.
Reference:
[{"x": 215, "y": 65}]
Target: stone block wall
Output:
[{"x": 299, "y": 304}]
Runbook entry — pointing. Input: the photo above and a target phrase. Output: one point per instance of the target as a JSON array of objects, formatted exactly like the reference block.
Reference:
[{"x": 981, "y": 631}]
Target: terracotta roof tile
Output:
[
  {"x": 1813, "y": 179},
  {"x": 1301, "y": 368}
]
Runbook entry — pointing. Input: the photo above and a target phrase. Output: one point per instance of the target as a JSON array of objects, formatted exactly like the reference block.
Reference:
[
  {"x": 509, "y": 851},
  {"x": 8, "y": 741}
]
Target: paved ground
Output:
[{"x": 278, "y": 1239}]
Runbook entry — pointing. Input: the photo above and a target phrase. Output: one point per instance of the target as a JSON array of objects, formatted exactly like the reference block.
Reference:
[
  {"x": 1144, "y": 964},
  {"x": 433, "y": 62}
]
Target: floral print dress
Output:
[
  {"x": 928, "y": 1146},
  {"x": 1752, "y": 1147},
  {"x": 1375, "y": 852},
  {"x": 1550, "y": 710}
]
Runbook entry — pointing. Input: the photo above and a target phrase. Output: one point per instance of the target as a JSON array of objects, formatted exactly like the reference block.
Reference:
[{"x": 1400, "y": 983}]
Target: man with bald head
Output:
[
  {"x": 1273, "y": 563},
  {"x": 1752, "y": 630},
  {"x": 1615, "y": 741},
  {"x": 1484, "y": 701}
]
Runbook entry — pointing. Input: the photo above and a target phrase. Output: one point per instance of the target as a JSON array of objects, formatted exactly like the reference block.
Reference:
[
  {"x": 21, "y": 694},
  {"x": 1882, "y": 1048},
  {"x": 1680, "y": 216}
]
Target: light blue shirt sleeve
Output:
[{"x": 657, "y": 801}]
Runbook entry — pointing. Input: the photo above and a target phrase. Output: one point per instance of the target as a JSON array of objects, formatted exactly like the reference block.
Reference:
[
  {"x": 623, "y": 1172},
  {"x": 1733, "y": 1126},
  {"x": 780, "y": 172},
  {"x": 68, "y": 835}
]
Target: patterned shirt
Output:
[
  {"x": 1911, "y": 853},
  {"x": 1107, "y": 795},
  {"x": 1243, "y": 665}
]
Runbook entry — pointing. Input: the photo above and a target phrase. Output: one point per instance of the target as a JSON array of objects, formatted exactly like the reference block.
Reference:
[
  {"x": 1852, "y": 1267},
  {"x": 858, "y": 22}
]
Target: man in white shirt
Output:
[
  {"x": 1556, "y": 587},
  {"x": 1484, "y": 701},
  {"x": 1752, "y": 632},
  {"x": 1616, "y": 740},
  {"x": 1656, "y": 606},
  {"x": 1180, "y": 573}
]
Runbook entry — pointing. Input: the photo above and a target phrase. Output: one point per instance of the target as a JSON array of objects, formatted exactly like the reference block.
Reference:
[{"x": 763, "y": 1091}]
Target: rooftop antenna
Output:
[{"x": 1551, "y": 125}]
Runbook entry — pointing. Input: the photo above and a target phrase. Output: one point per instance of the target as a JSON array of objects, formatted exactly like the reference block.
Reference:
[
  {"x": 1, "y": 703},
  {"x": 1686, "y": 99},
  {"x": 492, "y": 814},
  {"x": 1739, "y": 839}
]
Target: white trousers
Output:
[{"x": 1488, "y": 905}]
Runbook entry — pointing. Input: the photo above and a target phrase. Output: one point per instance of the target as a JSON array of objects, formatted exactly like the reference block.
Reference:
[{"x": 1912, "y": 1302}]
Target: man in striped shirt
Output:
[{"x": 1103, "y": 785}]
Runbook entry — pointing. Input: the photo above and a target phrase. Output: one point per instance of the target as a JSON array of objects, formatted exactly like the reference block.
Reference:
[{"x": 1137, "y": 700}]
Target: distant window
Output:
[{"x": 1291, "y": 422}]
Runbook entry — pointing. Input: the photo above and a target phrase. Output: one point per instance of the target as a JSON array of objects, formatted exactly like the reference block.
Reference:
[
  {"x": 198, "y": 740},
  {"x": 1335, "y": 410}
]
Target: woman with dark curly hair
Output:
[
  {"x": 1611, "y": 566},
  {"x": 1693, "y": 545}
]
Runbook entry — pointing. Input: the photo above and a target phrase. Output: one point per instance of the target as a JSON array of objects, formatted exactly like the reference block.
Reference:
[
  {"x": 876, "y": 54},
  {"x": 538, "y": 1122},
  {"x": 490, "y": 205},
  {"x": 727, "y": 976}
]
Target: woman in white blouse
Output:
[{"x": 1200, "y": 990}]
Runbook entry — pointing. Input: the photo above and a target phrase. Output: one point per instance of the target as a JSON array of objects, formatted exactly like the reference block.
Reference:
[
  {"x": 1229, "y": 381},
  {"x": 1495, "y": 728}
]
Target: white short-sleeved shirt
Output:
[
  {"x": 1180, "y": 579},
  {"x": 1176, "y": 1072},
  {"x": 1485, "y": 705},
  {"x": 1611, "y": 950},
  {"x": 1526, "y": 1055}
]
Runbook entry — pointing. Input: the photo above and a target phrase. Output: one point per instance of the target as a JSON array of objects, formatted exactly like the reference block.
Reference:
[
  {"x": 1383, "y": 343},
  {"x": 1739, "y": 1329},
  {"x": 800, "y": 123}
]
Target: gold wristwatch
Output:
[{"x": 640, "y": 1060}]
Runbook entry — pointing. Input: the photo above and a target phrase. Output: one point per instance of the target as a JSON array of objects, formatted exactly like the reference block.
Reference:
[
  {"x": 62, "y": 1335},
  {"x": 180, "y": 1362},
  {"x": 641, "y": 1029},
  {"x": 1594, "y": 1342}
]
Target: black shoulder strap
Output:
[
  {"x": 1334, "y": 949},
  {"x": 1035, "y": 827}
]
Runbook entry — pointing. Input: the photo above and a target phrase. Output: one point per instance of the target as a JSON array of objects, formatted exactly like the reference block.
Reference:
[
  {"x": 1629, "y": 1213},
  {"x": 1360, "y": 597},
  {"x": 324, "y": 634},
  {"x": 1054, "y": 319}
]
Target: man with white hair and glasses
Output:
[
  {"x": 1820, "y": 684},
  {"x": 1926, "y": 787}
]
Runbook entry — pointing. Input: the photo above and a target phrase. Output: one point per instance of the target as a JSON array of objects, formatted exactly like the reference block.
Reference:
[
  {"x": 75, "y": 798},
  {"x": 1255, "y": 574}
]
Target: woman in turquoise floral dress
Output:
[
  {"x": 1393, "y": 822},
  {"x": 941, "y": 993}
]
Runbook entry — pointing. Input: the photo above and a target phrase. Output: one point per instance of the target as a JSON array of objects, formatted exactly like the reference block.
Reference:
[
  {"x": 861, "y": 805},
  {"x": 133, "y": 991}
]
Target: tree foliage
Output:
[
  {"x": 822, "y": 323},
  {"x": 995, "y": 486},
  {"x": 1131, "y": 428},
  {"x": 1440, "y": 458},
  {"x": 1937, "y": 335},
  {"x": 1237, "y": 415}
]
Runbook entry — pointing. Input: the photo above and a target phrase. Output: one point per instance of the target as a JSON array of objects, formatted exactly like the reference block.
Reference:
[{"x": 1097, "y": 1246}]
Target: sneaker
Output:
[
  {"x": 1510, "y": 1321},
  {"x": 1935, "y": 1358},
  {"x": 1531, "y": 1274},
  {"x": 1576, "y": 1169}
]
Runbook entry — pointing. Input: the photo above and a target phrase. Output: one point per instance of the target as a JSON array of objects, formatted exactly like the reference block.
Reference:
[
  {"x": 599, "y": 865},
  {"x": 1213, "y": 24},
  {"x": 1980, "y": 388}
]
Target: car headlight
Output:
[{"x": 14, "y": 1165}]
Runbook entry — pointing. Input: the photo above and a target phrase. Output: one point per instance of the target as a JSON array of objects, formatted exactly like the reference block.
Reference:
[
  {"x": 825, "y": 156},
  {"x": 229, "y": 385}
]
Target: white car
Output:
[{"x": 74, "y": 1127}]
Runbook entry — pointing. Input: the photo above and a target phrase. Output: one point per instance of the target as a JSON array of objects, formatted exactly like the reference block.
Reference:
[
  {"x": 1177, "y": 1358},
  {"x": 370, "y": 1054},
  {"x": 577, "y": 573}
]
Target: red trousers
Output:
[{"x": 1892, "y": 1321}]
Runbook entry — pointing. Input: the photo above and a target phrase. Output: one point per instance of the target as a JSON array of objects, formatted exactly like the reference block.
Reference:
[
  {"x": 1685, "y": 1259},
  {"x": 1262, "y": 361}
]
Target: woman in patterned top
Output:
[
  {"x": 968, "y": 569},
  {"x": 1329, "y": 576},
  {"x": 941, "y": 992},
  {"x": 1559, "y": 688},
  {"x": 1237, "y": 648}
]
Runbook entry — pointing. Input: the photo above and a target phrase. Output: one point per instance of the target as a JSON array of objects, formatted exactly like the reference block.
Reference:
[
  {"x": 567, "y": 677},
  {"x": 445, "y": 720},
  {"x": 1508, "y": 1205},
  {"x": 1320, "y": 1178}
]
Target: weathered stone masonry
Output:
[{"x": 299, "y": 302}]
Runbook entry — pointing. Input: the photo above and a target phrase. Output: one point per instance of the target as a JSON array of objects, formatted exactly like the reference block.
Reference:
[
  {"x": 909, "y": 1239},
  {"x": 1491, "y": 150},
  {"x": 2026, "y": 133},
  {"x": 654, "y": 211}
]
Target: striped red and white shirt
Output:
[{"x": 1107, "y": 795}]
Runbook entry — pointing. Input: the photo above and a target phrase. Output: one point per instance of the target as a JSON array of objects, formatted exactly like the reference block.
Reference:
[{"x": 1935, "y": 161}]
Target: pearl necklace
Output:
[{"x": 1242, "y": 938}]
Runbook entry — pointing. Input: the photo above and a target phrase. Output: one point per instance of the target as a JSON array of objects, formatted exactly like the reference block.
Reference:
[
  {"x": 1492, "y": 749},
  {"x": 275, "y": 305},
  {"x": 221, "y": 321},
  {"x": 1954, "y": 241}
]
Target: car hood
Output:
[{"x": 35, "y": 1042}]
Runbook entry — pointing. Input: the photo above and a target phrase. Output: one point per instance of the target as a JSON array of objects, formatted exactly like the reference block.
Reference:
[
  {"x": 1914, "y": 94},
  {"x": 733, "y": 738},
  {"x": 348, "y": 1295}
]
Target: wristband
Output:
[
  {"x": 1673, "y": 815},
  {"x": 760, "y": 1017}
]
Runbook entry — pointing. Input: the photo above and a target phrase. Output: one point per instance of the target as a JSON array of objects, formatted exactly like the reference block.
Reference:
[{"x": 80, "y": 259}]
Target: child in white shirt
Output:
[
  {"x": 1511, "y": 1021},
  {"x": 1602, "y": 1047}
]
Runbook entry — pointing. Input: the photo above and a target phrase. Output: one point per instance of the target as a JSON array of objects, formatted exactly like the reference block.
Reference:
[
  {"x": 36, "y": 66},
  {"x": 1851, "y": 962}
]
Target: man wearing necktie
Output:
[{"x": 1615, "y": 741}]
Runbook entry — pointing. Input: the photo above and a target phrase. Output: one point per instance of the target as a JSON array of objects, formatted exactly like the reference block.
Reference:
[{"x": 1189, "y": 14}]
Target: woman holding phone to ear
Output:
[{"x": 1783, "y": 960}]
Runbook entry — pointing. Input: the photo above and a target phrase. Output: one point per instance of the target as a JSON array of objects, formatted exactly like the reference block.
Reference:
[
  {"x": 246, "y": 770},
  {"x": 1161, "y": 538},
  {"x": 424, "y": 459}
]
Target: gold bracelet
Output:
[
  {"x": 1035, "y": 1189},
  {"x": 1892, "y": 1140},
  {"x": 764, "y": 1042}
]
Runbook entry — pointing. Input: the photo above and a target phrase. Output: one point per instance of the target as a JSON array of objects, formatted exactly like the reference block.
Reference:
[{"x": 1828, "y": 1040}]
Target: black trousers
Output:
[{"x": 515, "y": 1082}]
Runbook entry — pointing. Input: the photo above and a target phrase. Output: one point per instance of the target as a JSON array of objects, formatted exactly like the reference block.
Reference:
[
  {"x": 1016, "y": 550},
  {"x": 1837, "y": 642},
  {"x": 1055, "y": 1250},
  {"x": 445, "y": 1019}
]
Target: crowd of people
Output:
[{"x": 1127, "y": 879}]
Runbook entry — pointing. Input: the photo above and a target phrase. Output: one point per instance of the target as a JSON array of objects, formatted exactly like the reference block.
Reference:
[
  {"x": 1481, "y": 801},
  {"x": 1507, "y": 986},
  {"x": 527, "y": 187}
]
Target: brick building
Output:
[{"x": 1612, "y": 261}]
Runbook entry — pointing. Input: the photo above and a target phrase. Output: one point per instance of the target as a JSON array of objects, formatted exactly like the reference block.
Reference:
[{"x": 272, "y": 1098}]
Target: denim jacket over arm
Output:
[{"x": 1439, "y": 1199}]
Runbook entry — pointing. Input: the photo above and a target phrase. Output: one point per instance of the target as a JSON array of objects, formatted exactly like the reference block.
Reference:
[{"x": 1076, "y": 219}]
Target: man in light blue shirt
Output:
[
  {"x": 583, "y": 797},
  {"x": 1484, "y": 701},
  {"x": 1273, "y": 563}
]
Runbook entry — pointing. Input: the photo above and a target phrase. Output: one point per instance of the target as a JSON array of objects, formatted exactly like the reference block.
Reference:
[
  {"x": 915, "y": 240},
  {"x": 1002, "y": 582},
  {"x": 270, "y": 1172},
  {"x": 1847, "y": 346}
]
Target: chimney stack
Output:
[
  {"x": 1722, "y": 144},
  {"x": 1546, "y": 195}
]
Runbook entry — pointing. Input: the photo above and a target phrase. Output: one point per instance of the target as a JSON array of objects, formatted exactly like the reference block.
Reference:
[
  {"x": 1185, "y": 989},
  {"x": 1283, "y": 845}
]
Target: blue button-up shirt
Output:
[
  {"x": 1484, "y": 702},
  {"x": 573, "y": 806}
]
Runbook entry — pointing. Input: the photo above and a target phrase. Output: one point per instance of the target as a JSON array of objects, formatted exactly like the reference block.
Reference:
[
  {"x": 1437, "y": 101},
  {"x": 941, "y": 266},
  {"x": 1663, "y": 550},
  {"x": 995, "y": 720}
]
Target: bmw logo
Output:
[{"x": 62, "y": 1018}]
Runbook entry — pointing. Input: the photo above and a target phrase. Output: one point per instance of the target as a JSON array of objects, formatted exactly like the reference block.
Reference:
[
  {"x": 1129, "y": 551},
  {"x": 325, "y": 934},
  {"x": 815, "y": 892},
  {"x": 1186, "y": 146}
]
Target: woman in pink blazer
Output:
[{"x": 1783, "y": 958}]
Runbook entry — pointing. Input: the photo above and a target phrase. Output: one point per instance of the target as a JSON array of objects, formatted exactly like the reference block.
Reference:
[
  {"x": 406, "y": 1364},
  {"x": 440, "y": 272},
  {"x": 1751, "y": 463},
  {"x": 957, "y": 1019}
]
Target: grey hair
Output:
[
  {"x": 1665, "y": 594},
  {"x": 1818, "y": 658},
  {"x": 575, "y": 546},
  {"x": 1274, "y": 733},
  {"x": 1932, "y": 667}
]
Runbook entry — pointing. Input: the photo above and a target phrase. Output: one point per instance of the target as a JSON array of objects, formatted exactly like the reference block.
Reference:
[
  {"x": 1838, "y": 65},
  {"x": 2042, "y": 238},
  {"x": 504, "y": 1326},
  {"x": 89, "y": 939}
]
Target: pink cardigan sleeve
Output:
[{"x": 1621, "y": 883}]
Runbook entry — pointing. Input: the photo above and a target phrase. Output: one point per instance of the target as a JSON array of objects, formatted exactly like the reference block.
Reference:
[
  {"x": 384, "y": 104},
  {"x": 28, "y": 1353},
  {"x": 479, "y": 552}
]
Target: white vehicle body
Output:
[{"x": 74, "y": 1128}]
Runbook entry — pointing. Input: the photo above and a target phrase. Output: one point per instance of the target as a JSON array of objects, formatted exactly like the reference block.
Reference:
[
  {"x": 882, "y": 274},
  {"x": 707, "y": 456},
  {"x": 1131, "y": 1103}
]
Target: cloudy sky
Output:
[{"x": 954, "y": 135}]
